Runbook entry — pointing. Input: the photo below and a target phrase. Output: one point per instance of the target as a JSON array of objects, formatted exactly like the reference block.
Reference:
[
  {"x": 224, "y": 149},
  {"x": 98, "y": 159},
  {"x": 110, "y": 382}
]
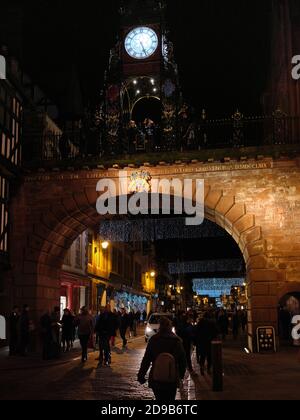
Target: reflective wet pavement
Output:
[{"x": 245, "y": 377}]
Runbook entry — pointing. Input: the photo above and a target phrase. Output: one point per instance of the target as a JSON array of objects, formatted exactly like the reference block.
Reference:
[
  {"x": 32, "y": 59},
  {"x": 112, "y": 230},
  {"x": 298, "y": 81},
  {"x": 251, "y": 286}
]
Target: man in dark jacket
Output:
[
  {"x": 50, "y": 348},
  {"x": 223, "y": 324},
  {"x": 67, "y": 323},
  {"x": 164, "y": 343},
  {"x": 24, "y": 330},
  {"x": 206, "y": 332},
  {"x": 104, "y": 329},
  {"x": 184, "y": 331},
  {"x": 124, "y": 324}
]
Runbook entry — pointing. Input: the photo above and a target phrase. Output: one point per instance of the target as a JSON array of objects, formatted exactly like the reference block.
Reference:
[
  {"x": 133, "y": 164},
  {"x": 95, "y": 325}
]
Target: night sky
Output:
[{"x": 222, "y": 48}]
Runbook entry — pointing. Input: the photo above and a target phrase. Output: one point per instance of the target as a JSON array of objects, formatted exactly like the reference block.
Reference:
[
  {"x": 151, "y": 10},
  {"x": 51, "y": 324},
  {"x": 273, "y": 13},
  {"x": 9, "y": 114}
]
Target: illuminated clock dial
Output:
[{"x": 141, "y": 43}]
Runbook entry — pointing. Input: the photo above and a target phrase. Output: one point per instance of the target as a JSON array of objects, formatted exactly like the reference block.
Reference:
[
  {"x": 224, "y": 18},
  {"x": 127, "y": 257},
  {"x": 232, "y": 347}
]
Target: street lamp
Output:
[
  {"x": 152, "y": 274},
  {"x": 105, "y": 245}
]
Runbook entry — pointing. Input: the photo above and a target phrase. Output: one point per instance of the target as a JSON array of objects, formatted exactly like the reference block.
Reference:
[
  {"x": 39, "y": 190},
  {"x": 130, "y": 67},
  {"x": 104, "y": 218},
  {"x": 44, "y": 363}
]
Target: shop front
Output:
[
  {"x": 132, "y": 302},
  {"x": 74, "y": 292}
]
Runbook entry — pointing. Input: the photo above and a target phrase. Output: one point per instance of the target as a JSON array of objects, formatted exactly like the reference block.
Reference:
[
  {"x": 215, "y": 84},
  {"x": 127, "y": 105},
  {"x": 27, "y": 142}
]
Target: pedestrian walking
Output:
[
  {"x": 74, "y": 330},
  {"x": 131, "y": 323},
  {"x": 124, "y": 323},
  {"x": 166, "y": 357},
  {"x": 24, "y": 331},
  {"x": 55, "y": 320},
  {"x": 235, "y": 324},
  {"x": 223, "y": 324},
  {"x": 144, "y": 316},
  {"x": 244, "y": 320},
  {"x": 51, "y": 348},
  {"x": 184, "y": 331},
  {"x": 138, "y": 317},
  {"x": 115, "y": 327},
  {"x": 67, "y": 324},
  {"x": 206, "y": 332},
  {"x": 104, "y": 329},
  {"x": 85, "y": 325},
  {"x": 13, "y": 323}
]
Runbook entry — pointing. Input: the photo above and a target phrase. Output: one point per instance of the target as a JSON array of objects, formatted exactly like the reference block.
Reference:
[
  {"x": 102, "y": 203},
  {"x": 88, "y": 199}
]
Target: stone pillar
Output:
[{"x": 263, "y": 302}]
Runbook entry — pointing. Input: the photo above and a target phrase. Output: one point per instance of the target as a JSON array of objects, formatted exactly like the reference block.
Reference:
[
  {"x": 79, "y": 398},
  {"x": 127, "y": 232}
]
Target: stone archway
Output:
[
  {"x": 57, "y": 228},
  {"x": 52, "y": 209}
]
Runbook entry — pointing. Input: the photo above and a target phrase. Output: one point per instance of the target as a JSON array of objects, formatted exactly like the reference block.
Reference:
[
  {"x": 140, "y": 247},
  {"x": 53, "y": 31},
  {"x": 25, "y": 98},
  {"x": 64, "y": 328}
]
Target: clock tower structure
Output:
[{"x": 142, "y": 78}]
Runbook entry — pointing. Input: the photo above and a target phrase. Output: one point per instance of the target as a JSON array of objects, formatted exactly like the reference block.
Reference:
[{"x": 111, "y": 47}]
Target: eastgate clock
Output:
[{"x": 141, "y": 43}]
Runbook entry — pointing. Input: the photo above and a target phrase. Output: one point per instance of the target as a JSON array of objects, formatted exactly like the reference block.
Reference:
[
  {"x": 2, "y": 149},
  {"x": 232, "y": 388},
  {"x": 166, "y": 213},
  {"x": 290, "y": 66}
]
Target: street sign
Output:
[{"x": 266, "y": 342}]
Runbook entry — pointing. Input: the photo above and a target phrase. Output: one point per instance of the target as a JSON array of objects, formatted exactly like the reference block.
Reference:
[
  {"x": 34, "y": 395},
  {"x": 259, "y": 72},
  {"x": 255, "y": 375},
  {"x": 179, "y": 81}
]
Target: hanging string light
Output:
[
  {"x": 215, "y": 287},
  {"x": 208, "y": 266},
  {"x": 156, "y": 230}
]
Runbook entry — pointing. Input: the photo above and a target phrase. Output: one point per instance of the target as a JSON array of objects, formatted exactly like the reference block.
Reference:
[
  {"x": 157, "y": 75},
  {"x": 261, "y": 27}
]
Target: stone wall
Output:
[{"x": 257, "y": 202}]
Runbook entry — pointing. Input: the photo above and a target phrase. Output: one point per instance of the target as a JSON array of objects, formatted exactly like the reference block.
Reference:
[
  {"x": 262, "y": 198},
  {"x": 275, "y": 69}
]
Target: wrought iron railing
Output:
[{"x": 235, "y": 132}]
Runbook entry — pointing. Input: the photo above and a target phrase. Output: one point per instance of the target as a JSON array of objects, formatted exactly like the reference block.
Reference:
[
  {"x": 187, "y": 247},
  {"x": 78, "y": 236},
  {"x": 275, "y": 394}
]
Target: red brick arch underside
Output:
[{"x": 58, "y": 225}]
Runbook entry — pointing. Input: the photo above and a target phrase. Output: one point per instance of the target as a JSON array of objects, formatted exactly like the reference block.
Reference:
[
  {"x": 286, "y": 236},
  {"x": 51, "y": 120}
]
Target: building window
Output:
[
  {"x": 78, "y": 259},
  {"x": 90, "y": 248},
  {"x": 104, "y": 259},
  {"x": 10, "y": 125},
  {"x": 99, "y": 257},
  {"x": 4, "y": 195}
]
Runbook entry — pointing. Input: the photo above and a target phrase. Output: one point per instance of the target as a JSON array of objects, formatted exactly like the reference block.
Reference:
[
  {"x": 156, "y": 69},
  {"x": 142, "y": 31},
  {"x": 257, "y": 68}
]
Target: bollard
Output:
[{"x": 217, "y": 362}]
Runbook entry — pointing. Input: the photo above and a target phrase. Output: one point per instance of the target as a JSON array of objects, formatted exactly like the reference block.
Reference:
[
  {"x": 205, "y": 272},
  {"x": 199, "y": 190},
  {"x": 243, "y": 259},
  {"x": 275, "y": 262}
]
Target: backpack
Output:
[{"x": 165, "y": 370}]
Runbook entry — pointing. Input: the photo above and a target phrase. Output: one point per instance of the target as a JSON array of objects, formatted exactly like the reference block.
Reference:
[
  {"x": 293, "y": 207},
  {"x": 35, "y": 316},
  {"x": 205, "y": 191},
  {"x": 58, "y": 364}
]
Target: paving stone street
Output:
[{"x": 245, "y": 377}]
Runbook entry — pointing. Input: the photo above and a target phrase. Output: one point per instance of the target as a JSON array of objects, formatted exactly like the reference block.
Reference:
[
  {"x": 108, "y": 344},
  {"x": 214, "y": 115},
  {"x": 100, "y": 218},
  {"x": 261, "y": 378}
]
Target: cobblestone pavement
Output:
[
  {"x": 69, "y": 379},
  {"x": 245, "y": 377}
]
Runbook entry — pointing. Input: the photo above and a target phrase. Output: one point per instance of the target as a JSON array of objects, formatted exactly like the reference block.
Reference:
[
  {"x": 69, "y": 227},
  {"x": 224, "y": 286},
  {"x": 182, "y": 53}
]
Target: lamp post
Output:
[{"x": 105, "y": 245}]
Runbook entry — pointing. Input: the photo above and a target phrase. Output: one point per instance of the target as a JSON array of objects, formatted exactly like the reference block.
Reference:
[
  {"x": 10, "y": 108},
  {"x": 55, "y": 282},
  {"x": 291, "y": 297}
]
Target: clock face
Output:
[{"x": 141, "y": 43}]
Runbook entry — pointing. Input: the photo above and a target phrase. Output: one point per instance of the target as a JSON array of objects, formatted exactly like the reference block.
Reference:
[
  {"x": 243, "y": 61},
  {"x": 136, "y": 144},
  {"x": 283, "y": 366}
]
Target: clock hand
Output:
[{"x": 143, "y": 48}]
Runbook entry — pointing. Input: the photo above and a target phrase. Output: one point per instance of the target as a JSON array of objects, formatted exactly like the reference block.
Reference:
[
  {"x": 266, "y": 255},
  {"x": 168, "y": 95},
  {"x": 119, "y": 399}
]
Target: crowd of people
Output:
[
  {"x": 169, "y": 353},
  {"x": 58, "y": 334},
  {"x": 201, "y": 332}
]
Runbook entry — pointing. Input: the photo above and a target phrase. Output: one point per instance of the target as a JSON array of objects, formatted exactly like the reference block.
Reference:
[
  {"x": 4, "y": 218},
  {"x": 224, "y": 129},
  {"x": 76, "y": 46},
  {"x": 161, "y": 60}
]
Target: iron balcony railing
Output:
[{"x": 235, "y": 132}]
